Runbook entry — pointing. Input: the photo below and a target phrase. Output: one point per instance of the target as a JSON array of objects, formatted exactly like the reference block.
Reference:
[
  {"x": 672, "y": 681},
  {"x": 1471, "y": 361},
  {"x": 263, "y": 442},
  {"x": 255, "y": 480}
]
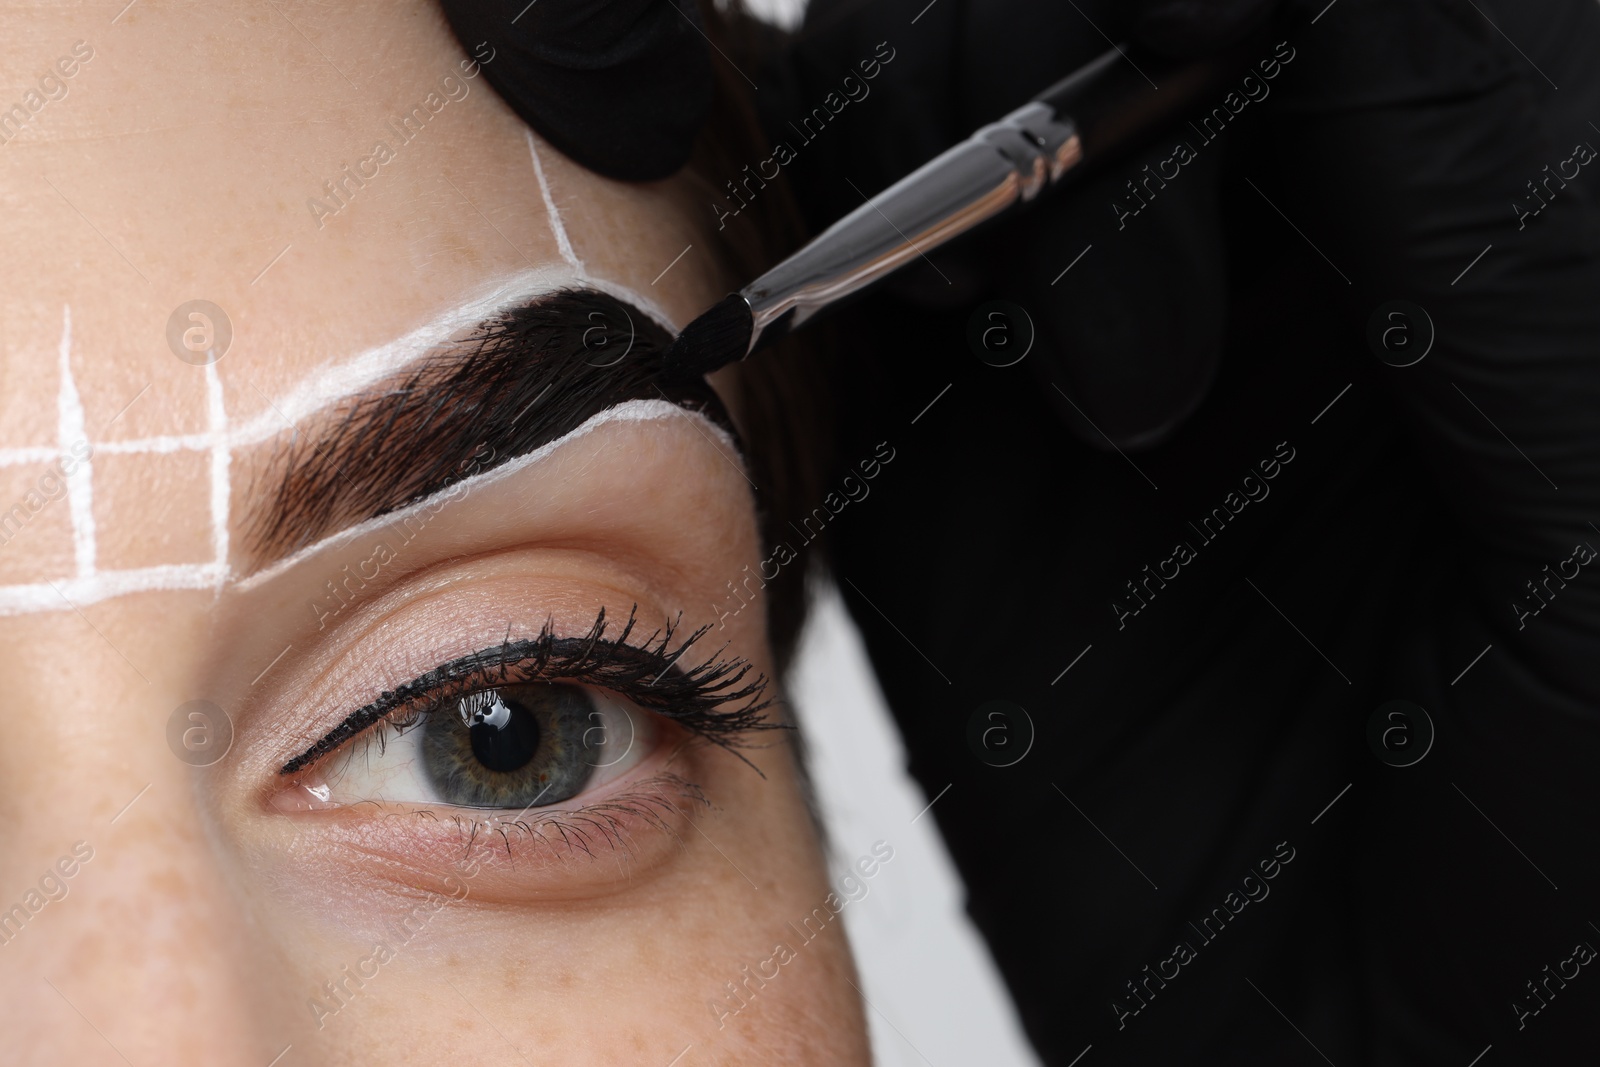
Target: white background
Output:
[{"x": 933, "y": 994}]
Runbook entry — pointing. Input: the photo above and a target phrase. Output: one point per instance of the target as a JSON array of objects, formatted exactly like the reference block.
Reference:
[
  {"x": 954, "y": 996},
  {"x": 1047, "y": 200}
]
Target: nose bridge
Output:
[{"x": 122, "y": 938}]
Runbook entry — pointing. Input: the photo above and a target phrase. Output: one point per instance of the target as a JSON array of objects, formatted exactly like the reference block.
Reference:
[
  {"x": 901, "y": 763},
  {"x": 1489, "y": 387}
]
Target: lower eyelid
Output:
[
  {"x": 599, "y": 842},
  {"x": 573, "y": 854},
  {"x": 606, "y": 838}
]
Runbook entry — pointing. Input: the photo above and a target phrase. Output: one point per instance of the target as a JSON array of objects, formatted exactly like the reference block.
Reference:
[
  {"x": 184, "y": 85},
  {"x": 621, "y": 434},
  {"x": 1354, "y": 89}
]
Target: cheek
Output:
[
  {"x": 587, "y": 987},
  {"x": 581, "y": 981}
]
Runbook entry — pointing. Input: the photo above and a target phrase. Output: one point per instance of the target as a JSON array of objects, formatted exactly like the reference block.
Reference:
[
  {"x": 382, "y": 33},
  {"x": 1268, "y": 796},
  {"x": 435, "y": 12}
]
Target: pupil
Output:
[{"x": 504, "y": 733}]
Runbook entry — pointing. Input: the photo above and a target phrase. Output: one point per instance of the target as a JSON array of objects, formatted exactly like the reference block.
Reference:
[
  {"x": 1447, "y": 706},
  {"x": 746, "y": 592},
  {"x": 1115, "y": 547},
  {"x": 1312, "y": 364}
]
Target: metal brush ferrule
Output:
[{"x": 1002, "y": 164}]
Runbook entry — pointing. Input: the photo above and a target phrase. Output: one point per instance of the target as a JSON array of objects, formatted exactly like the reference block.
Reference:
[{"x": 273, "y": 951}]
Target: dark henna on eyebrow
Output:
[{"x": 519, "y": 381}]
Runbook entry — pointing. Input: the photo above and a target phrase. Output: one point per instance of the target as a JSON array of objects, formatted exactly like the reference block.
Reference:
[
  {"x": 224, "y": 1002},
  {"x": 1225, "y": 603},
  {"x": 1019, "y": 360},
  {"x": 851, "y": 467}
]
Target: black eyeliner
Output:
[{"x": 646, "y": 674}]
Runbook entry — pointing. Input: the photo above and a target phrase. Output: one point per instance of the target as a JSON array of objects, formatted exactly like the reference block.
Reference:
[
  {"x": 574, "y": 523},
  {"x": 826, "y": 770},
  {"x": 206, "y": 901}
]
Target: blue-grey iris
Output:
[{"x": 514, "y": 746}]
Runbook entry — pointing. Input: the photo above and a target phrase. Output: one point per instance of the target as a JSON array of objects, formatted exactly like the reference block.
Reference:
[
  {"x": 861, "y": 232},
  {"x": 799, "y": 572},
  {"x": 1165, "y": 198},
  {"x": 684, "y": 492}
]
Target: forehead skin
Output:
[
  {"x": 179, "y": 163},
  {"x": 175, "y": 163}
]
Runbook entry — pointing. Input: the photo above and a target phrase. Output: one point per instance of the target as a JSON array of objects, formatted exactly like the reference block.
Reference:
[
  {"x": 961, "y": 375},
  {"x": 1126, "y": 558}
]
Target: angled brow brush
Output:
[{"x": 1104, "y": 110}]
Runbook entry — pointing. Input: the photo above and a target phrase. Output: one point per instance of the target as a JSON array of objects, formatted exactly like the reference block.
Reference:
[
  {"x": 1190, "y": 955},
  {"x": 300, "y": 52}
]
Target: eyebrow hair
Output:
[{"x": 527, "y": 376}]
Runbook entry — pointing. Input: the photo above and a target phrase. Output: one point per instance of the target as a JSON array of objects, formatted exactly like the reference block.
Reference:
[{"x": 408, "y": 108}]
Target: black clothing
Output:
[{"x": 1294, "y": 532}]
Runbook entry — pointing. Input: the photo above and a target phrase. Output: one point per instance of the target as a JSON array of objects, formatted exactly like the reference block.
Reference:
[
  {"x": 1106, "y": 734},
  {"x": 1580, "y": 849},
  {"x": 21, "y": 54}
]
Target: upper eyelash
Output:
[{"x": 645, "y": 673}]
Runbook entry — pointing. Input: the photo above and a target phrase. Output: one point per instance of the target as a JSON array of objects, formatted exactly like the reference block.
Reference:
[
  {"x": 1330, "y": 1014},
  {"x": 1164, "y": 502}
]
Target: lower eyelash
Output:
[
  {"x": 649, "y": 801},
  {"x": 575, "y": 835}
]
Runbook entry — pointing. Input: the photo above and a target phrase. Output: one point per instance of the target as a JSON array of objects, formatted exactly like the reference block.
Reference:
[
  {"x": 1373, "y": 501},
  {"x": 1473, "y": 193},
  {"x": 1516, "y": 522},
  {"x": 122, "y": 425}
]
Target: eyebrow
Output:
[{"x": 519, "y": 380}]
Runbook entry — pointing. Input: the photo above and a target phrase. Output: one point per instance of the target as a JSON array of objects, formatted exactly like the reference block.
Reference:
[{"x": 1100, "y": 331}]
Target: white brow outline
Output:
[
  {"x": 650, "y": 410},
  {"x": 69, "y": 431},
  {"x": 317, "y": 391}
]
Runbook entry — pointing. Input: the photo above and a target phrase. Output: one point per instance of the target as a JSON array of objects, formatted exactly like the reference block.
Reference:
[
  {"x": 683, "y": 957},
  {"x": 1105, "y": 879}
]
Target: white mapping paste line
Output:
[
  {"x": 568, "y": 253},
  {"x": 12, "y": 457},
  {"x": 322, "y": 389},
  {"x": 192, "y": 442},
  {"x": 330, "y": 386},
  {"x": 333, "y": 384},
  {"x": 557, "y": 227},
  {"x": 221, "y": 457},
  {"x": 628, "y": 411},
  {"x": 102, "y": 585},
  {"x": 188, "y": 442},
  {"x": 80, "y": 485}
]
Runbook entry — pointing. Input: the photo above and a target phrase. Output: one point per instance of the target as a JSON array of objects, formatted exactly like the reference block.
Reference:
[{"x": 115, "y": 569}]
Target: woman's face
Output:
[{"x": 316, "y": 747}]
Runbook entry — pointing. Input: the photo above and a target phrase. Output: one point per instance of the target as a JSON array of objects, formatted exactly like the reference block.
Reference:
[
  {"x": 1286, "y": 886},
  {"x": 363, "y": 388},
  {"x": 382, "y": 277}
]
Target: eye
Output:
[
  {"x": 521, "y": 746},
  {"x": 517, "y": 745},
  {"x": 525, "y": 725}
]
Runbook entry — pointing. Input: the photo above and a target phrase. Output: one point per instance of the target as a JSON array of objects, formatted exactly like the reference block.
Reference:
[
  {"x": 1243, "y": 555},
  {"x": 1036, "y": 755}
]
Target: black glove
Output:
[
  {"x": 620, "y": 86},
  {"x": 1135, "y": 371}
]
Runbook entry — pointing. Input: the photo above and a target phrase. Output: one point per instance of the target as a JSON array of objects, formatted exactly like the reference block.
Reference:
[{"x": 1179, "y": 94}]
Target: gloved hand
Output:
[
  {"x": 1134, "y": 372},
  {"x": 620, "y": 86}
]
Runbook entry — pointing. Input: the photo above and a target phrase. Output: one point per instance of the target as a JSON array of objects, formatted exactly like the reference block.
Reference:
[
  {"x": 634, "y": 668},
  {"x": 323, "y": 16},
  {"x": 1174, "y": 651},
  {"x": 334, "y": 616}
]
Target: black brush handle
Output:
[{"x": 1120, "y": 101}]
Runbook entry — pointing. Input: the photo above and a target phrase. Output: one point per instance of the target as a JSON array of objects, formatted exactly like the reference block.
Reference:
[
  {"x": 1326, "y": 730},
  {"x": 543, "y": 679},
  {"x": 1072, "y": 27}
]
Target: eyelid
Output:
[
  {"x": 692, "y": 698},
  {"x": 535, "y": 858}
]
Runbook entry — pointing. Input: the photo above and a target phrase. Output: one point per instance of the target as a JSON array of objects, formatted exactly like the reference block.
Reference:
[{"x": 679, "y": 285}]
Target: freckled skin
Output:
[{"x": 178, "y": 166}]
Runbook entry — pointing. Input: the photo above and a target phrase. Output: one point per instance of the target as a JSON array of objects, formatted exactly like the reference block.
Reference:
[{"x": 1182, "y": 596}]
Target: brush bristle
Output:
[{"x": 711, "y": 341}]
